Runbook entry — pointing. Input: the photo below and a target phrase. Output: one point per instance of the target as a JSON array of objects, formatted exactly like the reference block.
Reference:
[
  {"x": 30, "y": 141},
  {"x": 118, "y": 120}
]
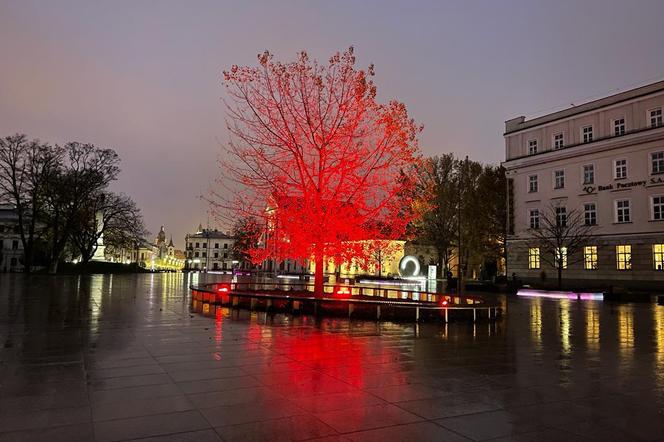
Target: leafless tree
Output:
[
  {"x": 24, "y": 168},
  {"x": 85, "y": 171},
  {"x": 110, "y": 216},
  {"x": 561, "y": 237}
]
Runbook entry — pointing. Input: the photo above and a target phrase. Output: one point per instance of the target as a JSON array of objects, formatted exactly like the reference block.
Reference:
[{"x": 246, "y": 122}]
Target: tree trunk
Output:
[
  {"x": 560, "y": 276},
  {"x": 53, "y": 266},
  {"x": 27, "y": 259},
  {"x": 319, "y": 276}
]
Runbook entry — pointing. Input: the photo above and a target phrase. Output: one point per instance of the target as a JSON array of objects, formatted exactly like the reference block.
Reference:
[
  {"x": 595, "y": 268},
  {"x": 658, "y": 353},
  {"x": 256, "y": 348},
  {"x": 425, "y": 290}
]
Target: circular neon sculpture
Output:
[{"x": 404, "y": 263}]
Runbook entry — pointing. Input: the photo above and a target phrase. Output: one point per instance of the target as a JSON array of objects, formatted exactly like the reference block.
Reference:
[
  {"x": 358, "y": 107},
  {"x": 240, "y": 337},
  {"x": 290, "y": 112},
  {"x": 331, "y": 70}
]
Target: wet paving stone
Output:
[{"x": 123, "y": 357}]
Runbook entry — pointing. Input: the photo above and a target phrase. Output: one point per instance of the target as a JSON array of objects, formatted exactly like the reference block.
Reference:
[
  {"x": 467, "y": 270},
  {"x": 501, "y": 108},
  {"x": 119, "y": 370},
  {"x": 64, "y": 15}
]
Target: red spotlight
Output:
[{"x": 224, "y": 288}]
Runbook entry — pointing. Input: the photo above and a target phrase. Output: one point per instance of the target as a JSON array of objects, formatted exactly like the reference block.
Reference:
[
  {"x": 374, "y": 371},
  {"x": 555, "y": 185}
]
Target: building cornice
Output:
[
  {"x": 519, "y": 124},
  {"x": 641, "y": 136}
]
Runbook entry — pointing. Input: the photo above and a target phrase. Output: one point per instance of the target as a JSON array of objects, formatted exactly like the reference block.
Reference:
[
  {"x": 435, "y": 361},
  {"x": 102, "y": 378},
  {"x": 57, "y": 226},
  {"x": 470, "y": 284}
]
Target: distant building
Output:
[
  {"x": 209, "y": 249},
  {"x": 11, "y": 247},
  {"x": 157, "y": 255},
  {"x": 605, "y": 159}
]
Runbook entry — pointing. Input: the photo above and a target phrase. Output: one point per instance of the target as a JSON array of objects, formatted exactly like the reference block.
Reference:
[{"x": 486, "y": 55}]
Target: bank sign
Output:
[{"x": 626, "y": 185}]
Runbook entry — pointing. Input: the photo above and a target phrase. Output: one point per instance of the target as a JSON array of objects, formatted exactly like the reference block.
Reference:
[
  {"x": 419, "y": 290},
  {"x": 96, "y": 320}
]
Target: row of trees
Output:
[
  {"x": 461, "y": 211},
  {"x": 62, "y": 199}
]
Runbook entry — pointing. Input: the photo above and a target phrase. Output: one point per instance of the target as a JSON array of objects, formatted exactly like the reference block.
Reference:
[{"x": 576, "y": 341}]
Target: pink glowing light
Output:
[{"x": 579, "y": 296}]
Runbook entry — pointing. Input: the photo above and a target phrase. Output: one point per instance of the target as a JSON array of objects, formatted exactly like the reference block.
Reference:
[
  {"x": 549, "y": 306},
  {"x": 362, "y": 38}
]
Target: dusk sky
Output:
[{"x": 144, "y": 77}]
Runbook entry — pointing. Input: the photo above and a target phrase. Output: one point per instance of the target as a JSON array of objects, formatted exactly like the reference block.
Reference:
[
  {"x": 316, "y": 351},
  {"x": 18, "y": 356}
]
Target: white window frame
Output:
[
  {"x": 652, "y": 207},
  {"x": 655, "y": 254},
  {"x": 555, "y": 212},
  {"x": 536, "y": 183},
  {"x": 562, "y": 140},
  {"x": 554, "y": 179},
  {"x": 624, "y": 126},
  {"x": 628, "y": 262},
  {"x": 594, "y": 210},
  {"x": 615, "y": 169},
  {"x": 586, "y": 261},
  {"x": 583, "y": 174},
  {"x": 537, "y": 258},
  {"x": 583, "y": 135},
  {"x": 649, "y": 116},
  {"x": 562, "y": 252},
  {"x": 650, "y": 162},
  {"x": 533, "y": 140},
  {"x": 530, "y": 218},
  {"x": 615, "y": 210}
]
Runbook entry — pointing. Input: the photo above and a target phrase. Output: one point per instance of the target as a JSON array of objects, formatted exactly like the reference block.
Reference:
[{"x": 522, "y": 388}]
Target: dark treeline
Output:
[
  {"x": 462, "y": 208},
  {"x": 62, "y": 200}
]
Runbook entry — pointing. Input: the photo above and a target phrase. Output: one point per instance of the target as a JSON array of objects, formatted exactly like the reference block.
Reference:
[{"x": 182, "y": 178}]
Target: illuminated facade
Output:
[
  {"x": 605, "y": 160},
  {"x": 158, "y": 255},
  {"x": 383, "y": 261},
  {"x": 11, "y": 247},
  {"x": 209, "y": 249}
]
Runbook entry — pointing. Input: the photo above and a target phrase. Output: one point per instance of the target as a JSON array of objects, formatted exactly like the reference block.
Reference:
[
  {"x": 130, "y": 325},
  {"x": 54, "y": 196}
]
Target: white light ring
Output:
[{"x": 404, "y": 262}]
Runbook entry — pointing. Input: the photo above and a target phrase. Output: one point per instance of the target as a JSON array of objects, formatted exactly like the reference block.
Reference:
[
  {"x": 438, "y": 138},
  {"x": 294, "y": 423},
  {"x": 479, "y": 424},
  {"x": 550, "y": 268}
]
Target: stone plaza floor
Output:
[{"x": 107, "y": 358}]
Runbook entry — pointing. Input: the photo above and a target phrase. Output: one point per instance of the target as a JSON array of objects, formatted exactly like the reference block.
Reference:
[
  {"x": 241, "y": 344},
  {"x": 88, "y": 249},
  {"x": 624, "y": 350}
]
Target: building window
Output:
[
  {"x": 534, "y": 258},
  {"x": 558, "y": 141},
  {"x": 532, "y": 183},
  {"x": 204, "y": 254},
  {"x": 590, "y": 257},
  {"x": 620, "y": 169},
  {"x": 197, "y": 245},
  {"x": 203, "y": 245},
  {"x": 655, "y": 117},
  {"x": 624, "y": 257},
  {"x": 534, "y": 219},
  {"x": 15, "y": 244},
  {"x": 561, "y": 257},
  {"x": 216, "y": 245},
  {"x": 658, "y": 208},
  {"x": 658, "y": 256},
  {"x": 225, "y": 245},
  {"x": 559, "y": 179},
  {"x": 590, "y": 214},
  {"x": 195, "y": 255},
  {"x": 587, "y": 134},
  {"x": 532, "y": 147},
  {"x": 225, "y": 255},
  {"x": 589, "y": 174},
  {"x": 216, "y": 255},
  {"x": 622, "y": 211},
  {"x": 657, "y": 162},
  {"x": 561, "y": 216},
  {"x": 619, "y": 127}
]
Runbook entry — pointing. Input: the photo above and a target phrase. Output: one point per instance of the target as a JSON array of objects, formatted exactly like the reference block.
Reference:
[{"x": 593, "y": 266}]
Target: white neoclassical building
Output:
[{"x": 605, "y": 160}]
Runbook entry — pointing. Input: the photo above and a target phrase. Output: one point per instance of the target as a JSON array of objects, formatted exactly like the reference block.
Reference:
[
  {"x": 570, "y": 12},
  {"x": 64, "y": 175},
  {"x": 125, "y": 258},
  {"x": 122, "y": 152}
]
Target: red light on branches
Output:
[{"x": 315, "y": 160}]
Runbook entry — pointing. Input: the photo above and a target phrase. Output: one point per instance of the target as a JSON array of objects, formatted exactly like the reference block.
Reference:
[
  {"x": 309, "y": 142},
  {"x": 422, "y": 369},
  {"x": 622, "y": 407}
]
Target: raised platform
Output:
[{"x": 382, "y": 302}]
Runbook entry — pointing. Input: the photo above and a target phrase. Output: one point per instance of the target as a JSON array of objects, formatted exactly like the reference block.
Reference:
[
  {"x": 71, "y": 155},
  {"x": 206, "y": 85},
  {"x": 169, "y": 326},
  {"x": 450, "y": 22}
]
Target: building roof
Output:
[
  {"x": 209, "y": 233},
  {"x": 520, "y": 123}
]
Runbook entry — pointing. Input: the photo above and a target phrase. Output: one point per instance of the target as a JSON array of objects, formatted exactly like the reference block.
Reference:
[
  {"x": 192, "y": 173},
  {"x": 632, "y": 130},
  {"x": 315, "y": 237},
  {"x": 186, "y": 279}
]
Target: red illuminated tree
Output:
[{"x": 315, "y": 159}]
